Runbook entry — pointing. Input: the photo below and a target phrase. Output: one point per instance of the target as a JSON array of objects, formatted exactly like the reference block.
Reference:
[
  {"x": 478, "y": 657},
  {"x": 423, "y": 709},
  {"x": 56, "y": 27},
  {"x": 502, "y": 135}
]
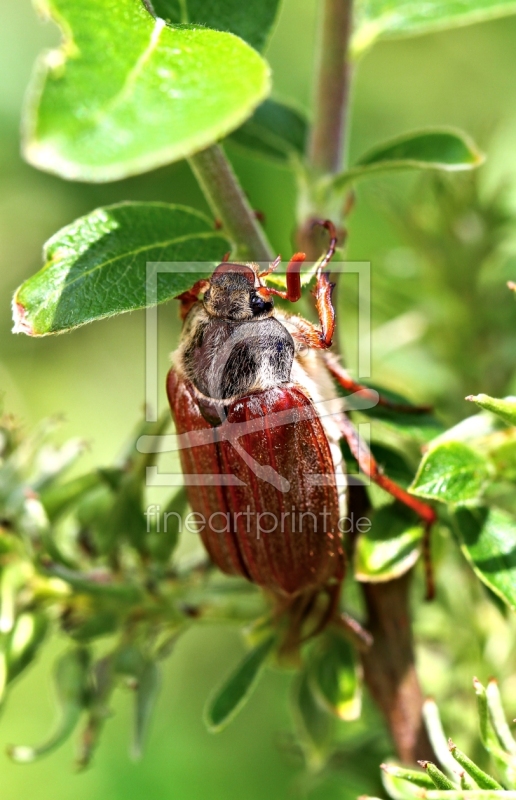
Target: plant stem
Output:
[
  {"x": 327, "y": 140},
  {"x": 389, "y": 664},
  {"x": 229, "y": 204},
  {"x": 390, "y": 670}
]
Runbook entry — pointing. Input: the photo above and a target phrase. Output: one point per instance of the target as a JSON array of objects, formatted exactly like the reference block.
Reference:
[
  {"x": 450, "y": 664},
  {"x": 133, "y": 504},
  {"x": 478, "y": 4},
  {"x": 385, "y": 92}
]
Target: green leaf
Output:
[
  {"x": 481, "y": 778},
  {"x": 145, "y": 701},
  {"x": 437, "y": 736},
  {"x": 390, "y": 547},
  {"x": 96, "y": 584},
  {"x": 314, "y": 724},
  {"x": 103, "y": 684},
  {"x": 275, "y": 131},
  {"x": 439, "y": 778},
  {"x": 488, "y": 540},
  {"x": 420, "y": 427},
  {"x": 498, "y": 718},
  {"x": 502, "y": 451},
  {"x": 125, "y": 93},
  {"x": 251, "y": 21},
  {"x": 386, "y": 18},
  {"x": 25, "y": 641},
  {"x": 236, "y": 689},
  {"x": 125, "y": 518},
  {"x": 57, "y": 500},
  {"x": 488, "y": 733},
  {"x": 164, "y": 538},
  {"x": 478, "y": 426},
  {"x": 505, "y": 409},
  {"x": 335, "y": 679},
  {"x": 393, "y": 463},
  {"x": 97, "y": 266},
  {"x": 435, "y": 149},
  {"x": 452, "y": 473},
  {"x": 417, "y": 777},
  {"x": 94, "y": 626},
  {"x": 71, "y": 680},
  {"x": 399, "y": 787}
]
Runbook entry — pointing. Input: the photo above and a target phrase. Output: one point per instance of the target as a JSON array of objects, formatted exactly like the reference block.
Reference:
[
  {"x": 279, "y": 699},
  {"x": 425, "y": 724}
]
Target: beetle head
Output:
[{"x": 236, "y": 293}]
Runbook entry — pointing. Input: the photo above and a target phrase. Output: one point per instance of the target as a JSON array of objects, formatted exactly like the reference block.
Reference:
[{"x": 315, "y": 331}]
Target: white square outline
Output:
[{"x": 152, "y": 388}]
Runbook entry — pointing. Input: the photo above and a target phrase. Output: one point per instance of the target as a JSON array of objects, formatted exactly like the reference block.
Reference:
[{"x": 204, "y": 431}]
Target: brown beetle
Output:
[{"x": 263, "y": 466}]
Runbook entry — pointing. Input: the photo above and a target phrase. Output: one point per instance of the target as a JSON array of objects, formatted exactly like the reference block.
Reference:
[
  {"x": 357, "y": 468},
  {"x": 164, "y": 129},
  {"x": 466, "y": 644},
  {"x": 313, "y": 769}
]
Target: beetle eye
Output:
[
  {"x": 257, "y": 303},
  {"x": 206, "y": 295}
]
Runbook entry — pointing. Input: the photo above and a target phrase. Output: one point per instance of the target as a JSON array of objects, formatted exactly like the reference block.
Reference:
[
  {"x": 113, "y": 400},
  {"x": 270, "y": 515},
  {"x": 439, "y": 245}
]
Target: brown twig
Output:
[
  {"x": 389, "y": 664},
  {"x": 390, "y": 670}
]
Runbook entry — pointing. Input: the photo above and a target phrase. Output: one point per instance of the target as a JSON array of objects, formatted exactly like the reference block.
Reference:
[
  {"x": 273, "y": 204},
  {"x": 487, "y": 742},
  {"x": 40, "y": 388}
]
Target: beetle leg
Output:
[
  {"x": 320, "y": 339},
  {"x": 369, "y": 467},
  {"x": 293, "y": 292},
  {"x": 330, "y": 252},
  {"x": 343, "y": 379},
  {"x": 310, "y": 335},
  {"x": 325, "y": 311},
  {"x": 190, "y": 297}
]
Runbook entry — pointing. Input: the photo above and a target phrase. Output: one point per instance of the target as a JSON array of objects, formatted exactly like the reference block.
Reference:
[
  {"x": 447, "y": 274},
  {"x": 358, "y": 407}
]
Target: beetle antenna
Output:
[
  {"x": 272, "y": 266},
  {"x": 225, "y": 258}
]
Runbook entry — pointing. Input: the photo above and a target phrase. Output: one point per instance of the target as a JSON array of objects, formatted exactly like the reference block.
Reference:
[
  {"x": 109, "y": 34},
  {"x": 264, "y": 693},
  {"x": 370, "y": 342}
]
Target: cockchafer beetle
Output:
[{"x": 263, "y": 467}]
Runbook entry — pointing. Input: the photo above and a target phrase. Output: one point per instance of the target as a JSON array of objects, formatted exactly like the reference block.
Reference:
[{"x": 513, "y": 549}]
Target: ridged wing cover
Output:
[{"x": 287, "y": 541}]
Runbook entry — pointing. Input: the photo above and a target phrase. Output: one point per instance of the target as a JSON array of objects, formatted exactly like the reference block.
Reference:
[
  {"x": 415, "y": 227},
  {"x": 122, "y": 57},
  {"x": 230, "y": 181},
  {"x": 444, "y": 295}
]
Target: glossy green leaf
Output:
[
  {"x": 236, "y": 689},
  {"x": 505, "y": 409},
  {"x": 126, "y": 93},
  {"x": 435, "y": 149},
  {"x": 335, "y": 678},
  {"x": 488, "y": 540},
  {"x": 393, "y": 18},
  {"x": 390, "y": 547},
  {"x": 393, "y": 463},
  {"x": 252, "y": 21},
  {"x": 97, "y": 266},
  {"x": 275, "y": 131},
  {"x": 452, "y": 473}
]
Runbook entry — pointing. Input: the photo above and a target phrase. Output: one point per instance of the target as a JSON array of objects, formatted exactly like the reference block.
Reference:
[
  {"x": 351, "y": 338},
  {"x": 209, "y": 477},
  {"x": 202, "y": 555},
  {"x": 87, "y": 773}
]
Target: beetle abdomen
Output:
[{"x": 270, "y": 512}]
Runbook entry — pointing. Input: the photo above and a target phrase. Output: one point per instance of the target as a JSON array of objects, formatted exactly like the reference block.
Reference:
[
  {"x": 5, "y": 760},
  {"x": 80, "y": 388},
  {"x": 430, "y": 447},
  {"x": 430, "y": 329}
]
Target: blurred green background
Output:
[{"x": 430, "y": 313}]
